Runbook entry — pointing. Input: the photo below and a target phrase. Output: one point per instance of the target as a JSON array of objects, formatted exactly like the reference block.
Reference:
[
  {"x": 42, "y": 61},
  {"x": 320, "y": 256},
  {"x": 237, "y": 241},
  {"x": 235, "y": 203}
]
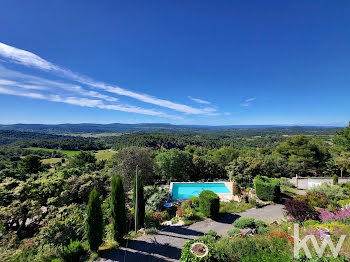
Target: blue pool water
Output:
[{"x": 186, "y": 190}]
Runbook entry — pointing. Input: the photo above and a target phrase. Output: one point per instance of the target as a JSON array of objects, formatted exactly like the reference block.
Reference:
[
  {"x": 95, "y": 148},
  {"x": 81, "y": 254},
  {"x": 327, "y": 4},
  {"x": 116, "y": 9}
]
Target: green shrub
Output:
[
  {"x": 156, "y": 201},
  {"x": 235, "y": 207},
  {"x": 310, "y": 223},
  {"x": 175, "y": 220},
  {"x": 151, "y": 231},
  {"x": 154, "y": 219},
  {"x": 68, "y": 225},
  {"x": 209, "y": 203},
  {"x": 27, "y": 254},
  {"x": 187, "y": 211},
  {"x": 261, "y": 226},
  {"x": 212, "y": 233},
  {"x": 73, "y": 252},
  {"x": 234, "y": 231},
  {"x": 244, "y": 222},
  {"x": 344, "y": 203},
  {"x": 94, "y": 221},
  {"x": 267, "y": 189},
  {"x": 266, "y": 257},
  {"x": 235, "y": 249},
  {"x": 314, "y": 199},
  {"x": 195, "y": 201},
  {"x": 333, "y": 193},
  {"x": 118, "y": 208},
  {"x": 236, "y": 190},
  {"x": 335, "y": 180}
]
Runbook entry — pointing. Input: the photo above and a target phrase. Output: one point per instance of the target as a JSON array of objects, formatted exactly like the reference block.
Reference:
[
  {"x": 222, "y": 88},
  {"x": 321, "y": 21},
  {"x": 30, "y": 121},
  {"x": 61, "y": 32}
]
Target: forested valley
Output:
[{"x": 46, "y": 179}]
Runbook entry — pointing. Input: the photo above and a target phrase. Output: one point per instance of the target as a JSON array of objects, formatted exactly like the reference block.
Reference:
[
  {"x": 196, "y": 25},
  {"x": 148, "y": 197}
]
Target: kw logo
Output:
[{"x": 302, "y": 244}]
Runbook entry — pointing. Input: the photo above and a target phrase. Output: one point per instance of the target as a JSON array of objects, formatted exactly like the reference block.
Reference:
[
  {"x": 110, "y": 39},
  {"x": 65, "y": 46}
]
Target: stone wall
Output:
[{"x": 305, "y": 183}]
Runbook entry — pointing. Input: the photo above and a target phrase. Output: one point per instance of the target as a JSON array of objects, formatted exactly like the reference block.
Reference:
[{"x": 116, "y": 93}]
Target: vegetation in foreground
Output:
[{"x": 44, "y": 214}]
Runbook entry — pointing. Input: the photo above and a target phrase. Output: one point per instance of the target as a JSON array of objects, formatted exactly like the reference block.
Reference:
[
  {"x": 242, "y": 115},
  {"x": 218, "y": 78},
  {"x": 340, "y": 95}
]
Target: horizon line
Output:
[{"x": 197, "y": 125}]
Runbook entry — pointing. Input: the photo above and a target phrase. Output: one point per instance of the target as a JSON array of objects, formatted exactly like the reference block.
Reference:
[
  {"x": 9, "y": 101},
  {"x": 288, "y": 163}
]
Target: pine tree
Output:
[
  {"x": 118, "y": 208},
  {"x": 140, "y": 201},
  {"x": 94, "y": 223}
]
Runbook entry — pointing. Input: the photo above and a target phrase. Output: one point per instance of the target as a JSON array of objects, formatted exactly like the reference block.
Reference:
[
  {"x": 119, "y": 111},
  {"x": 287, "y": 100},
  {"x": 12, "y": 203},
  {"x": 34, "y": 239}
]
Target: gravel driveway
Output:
[{"x": 166, "y": 244}]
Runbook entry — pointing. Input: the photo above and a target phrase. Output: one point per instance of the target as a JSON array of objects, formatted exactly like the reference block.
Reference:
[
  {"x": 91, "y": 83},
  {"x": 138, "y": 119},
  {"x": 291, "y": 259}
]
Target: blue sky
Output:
[{"x": 182, "y": 62}]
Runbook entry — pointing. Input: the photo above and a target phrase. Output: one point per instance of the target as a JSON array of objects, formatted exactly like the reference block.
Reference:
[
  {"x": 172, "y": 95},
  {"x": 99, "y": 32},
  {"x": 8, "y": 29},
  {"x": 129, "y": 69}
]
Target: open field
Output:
[
  {"x": 100, "y": 154},
  {"x": 104, "y": 154},
  {"x": 68, "y": 153},
  {"x": 51, "y": 160}
]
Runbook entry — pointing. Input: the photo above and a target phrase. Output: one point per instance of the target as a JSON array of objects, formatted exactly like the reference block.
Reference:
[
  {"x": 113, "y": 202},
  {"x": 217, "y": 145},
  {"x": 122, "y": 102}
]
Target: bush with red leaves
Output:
[{"x": 300, "y": 210}]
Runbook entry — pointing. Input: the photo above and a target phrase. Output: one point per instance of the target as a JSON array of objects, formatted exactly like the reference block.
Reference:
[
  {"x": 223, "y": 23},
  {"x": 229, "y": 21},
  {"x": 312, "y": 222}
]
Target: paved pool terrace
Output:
[{"x": 223, "y": 190}]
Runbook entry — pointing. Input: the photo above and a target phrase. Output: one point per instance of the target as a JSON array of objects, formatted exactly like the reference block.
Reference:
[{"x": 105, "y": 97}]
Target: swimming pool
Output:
[{"x": 186, "y": 190}]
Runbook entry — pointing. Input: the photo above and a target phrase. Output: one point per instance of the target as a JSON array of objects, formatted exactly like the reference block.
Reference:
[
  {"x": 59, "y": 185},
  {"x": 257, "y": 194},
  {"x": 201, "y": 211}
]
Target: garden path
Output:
[{"x": 166, "y": 244}]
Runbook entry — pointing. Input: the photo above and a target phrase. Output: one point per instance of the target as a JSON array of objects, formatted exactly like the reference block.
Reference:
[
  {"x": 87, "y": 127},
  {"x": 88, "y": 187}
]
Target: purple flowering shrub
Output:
[
  {"x": 340, "y": 214},
  {"x": 300, "y": 210}
]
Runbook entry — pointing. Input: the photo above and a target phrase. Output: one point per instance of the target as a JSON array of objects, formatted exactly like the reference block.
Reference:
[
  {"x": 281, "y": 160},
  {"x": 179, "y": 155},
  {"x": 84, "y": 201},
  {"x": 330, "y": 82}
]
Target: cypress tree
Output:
[
  {"x": 335, "y": 180},
  {"x": 94, "y": 223},
  {"x": 118, "y": 208},
  {"x": 140, "y": 201}
]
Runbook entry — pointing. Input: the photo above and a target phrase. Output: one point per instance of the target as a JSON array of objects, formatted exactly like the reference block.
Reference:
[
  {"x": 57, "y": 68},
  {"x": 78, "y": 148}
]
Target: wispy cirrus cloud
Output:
[
  {"x": 200, "y": 101},
  {"x": 84, "y": 102},
  {"x": 248, "y": 101},
  {"x": 29, "y": 59},
  {"x": 17, "y": 79}
]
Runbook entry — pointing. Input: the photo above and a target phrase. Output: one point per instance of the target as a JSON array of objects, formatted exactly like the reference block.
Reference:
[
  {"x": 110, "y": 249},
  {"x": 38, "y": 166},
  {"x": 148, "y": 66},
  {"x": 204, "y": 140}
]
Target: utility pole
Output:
[{"x": 136, "y": 196}]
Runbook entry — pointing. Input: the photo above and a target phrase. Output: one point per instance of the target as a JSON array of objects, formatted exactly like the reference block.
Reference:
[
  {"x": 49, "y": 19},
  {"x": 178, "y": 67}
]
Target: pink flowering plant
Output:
[{"x": 338, "y": 215}]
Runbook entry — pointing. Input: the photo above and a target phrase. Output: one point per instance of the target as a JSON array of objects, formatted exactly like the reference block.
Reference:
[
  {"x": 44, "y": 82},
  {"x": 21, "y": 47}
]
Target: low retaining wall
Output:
[{"x": 305, "y": 183}]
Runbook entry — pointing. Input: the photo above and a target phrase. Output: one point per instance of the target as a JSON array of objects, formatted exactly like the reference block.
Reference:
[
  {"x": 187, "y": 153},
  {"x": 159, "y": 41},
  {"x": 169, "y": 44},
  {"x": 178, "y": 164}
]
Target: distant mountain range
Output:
[{"x": 90, "y": 128}]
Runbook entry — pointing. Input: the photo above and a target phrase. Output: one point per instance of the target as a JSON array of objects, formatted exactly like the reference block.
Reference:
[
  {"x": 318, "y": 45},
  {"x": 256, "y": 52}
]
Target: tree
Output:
[
  {"x": 341, "y": 141},
  {"x": 204, "y": 168},
  {"x": 343, "y": 162},
  {"x": 173, "y": 164},
  {"x": 126, "y": 160},
  {"x": 30, "y": 164},
  {"x": 140, "y": 201},
  {"x": 341, "y": 150},
  {"x": 78, "y": 187},
  {"x": 94, "y": 221},
  {"x": 244, "y": 169},
  {"x": 118, "y": 208},
  {"x": 224, "y": 155},
  {"x": 304, "y": 157},
  {"x": 82, "y": 159}
]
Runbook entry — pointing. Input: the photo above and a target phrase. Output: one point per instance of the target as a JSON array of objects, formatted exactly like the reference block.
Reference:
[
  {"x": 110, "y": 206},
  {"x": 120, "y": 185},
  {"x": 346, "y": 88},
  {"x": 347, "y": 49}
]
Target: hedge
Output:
[
  {"x": 209, "y": 203},
  {"x": 267, "y": 189}
]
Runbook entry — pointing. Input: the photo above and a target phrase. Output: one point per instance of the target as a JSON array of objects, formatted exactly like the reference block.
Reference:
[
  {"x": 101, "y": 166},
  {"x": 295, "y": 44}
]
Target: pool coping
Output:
[{"x": 225, "y": 197}]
